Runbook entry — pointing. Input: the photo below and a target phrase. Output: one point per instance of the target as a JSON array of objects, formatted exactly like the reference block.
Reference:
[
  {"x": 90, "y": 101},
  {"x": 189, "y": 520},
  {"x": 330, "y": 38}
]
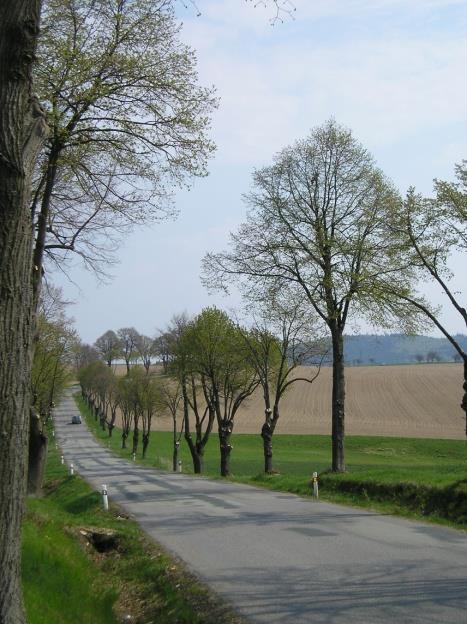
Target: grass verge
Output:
[
  {"x": 67, "y": 581},
  {"x": 415, "y": 478}
]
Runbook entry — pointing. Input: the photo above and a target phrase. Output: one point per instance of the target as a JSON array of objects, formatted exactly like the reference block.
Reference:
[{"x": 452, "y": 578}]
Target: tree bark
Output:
[
  {"x": 196, "y": 450},
  {"x": 135, "y": 439},
  {"x": 145, "y": 444},
  {"x": 338, "y": 400},
  {"x": 464, "y": 398},
  {"x": 22, "y": 129},
  {"x": 38, "y": 443},
  {"x": 225, "y": 433},
  {"x": 267, "y": 432},
  {"x": 176, "y": 446},
  {"x": 175, "y": 457}
]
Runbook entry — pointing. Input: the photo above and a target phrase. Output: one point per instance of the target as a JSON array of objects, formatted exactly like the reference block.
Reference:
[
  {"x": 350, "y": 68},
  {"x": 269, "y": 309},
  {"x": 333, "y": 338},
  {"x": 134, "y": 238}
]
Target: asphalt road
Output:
[{"x": 279, "y": 558}]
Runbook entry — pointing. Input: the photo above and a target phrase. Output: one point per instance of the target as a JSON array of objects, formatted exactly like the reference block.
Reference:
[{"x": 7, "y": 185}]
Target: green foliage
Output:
[
  {"x": 128, "y": 121},
  {"x": 51, "y": 368}
]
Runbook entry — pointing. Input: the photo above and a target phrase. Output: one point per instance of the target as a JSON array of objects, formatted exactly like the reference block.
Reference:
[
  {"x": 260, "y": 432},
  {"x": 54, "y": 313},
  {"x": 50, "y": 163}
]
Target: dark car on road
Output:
[{"x": 76, "y": 420}]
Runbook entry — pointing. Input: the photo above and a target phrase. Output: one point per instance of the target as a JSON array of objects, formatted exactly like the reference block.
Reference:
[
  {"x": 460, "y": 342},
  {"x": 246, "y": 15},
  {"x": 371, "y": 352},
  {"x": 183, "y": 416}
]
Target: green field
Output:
[
  {"x": 413, "y": 477},
  {"x": 65, "y": 581}
]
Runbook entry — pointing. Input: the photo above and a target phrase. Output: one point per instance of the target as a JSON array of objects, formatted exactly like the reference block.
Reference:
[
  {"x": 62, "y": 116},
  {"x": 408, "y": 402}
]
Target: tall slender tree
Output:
[
  {"x": 282, "y": 339},
  {"x": 318, "y": 225}
]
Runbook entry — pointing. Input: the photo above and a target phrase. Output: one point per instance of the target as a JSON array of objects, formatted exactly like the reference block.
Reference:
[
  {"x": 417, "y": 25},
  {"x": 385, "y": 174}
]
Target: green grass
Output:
[
  {"x": 65, "y": 581},
  {"x": 407, "y": 476}
]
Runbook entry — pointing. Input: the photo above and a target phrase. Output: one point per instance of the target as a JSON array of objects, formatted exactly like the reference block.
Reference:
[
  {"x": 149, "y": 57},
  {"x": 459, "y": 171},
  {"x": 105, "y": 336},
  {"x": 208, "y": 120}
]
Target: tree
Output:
[
  {"x": 126, "y": 405},
  {"x": 433, "y": 356},
  {"x": 419, "y": 358},
  {"x": 277, "y": 344},
  {"x": 128, "y": 337},
  {"x": 94, "y": 380},
  {"x": 429, "y": 230},
  {"x": 109, "y": 346},
  {"x": 171, "y": 398},
  {"x": 150, "y": 404},
  {"x": 218, "y": 359},
  {"x": 181, "y": 371},
  {"x": 128, "y": 123},
  {"x": 318, "y": 225},
  {"x": 84, "y": 354},
  {"x": 145, "y": 348},
  {"x": 22, "y": 130},
  {"x": 51, "y": 368}
]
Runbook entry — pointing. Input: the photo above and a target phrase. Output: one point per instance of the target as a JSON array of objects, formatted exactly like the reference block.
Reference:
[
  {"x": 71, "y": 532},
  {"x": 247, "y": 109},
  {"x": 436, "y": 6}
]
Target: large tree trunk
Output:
[
  {"x": 22, "y": 129},
  {"x": 135, "y": 440},
  {"x": 37, "y": 454},
  {"x": 338, "y": 401},
  {"x": 197, "y": 453},
  {"x": 145, "y": 444},
  {"x": 225, "y": 433},
  {"x": 267, "y": 431},
  {"x": 196, "y": 450},
  {"x": 176, "y": 446},
  {"x": 464, "y": 398}
]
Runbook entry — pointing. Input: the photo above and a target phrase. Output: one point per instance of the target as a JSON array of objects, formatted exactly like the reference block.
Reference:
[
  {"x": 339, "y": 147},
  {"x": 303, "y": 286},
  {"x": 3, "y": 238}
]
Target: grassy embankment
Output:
[
  {"x": 66, "y": 581},
  {"x": 405, "y": 476}
]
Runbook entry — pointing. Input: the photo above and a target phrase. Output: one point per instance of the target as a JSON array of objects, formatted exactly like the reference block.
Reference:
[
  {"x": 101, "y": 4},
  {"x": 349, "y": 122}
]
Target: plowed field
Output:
[{"x": 420, "y": 401}]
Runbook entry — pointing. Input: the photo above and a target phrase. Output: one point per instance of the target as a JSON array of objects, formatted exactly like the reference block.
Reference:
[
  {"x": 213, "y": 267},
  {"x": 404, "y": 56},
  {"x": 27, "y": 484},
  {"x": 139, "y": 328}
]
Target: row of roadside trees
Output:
[{"x": 212, "y": 365}]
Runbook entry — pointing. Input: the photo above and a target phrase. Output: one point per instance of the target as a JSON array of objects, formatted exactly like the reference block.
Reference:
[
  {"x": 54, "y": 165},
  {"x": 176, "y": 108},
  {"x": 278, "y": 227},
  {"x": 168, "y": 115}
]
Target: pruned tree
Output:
[
  {"x": 429, "y": 230},
  {"x": 419, "y": 357},
  {"x": 218, "y": 359},
  {"x": 281, "y": 339},
  {"x": 113, "y": 403},
  {"x": 109, "y": 346},
  {"x": 172, "y": 400},
  {"x": 128, "y": 337},
  {"x": 198, "y": 417},
  {"x": 151, "y": 402},
  {"x": 318, "y": 225},
  {"x": 126, "y": 407},
  {"x": 128, "y": 124}
]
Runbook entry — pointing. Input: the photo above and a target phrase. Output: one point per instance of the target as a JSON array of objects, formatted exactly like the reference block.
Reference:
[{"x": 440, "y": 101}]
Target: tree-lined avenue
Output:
[{"x": 280, "y": 558}]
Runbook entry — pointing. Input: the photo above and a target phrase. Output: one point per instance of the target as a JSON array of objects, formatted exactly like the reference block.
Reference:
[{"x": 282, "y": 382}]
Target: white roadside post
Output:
[
  {"x": 179, "y": 465},
  {"x": 315, "y": 485},
  {"x": 72, "y": 470},
  {"x": 105, "y": 498},
  {"x": 134, "y": 457},
  {"x": 62, "y": 459}
]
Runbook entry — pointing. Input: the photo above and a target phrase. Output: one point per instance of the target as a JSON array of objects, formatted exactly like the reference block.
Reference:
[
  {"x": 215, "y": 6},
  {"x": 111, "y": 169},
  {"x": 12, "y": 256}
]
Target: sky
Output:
[{"x": 393, "y": 71}]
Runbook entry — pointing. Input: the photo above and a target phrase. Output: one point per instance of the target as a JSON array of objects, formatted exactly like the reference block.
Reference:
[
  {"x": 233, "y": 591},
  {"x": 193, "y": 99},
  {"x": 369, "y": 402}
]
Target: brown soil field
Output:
[{"x": 416, "y": 401}]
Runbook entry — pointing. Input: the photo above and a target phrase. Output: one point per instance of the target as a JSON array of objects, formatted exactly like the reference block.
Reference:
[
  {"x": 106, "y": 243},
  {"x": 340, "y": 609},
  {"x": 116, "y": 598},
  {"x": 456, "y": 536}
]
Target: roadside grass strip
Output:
[{"x": 67, "y": 580}]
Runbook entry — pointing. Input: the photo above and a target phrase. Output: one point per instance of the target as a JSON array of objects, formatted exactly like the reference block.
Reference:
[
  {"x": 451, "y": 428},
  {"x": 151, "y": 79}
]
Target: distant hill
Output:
[{"x": 398, "y": 349}]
